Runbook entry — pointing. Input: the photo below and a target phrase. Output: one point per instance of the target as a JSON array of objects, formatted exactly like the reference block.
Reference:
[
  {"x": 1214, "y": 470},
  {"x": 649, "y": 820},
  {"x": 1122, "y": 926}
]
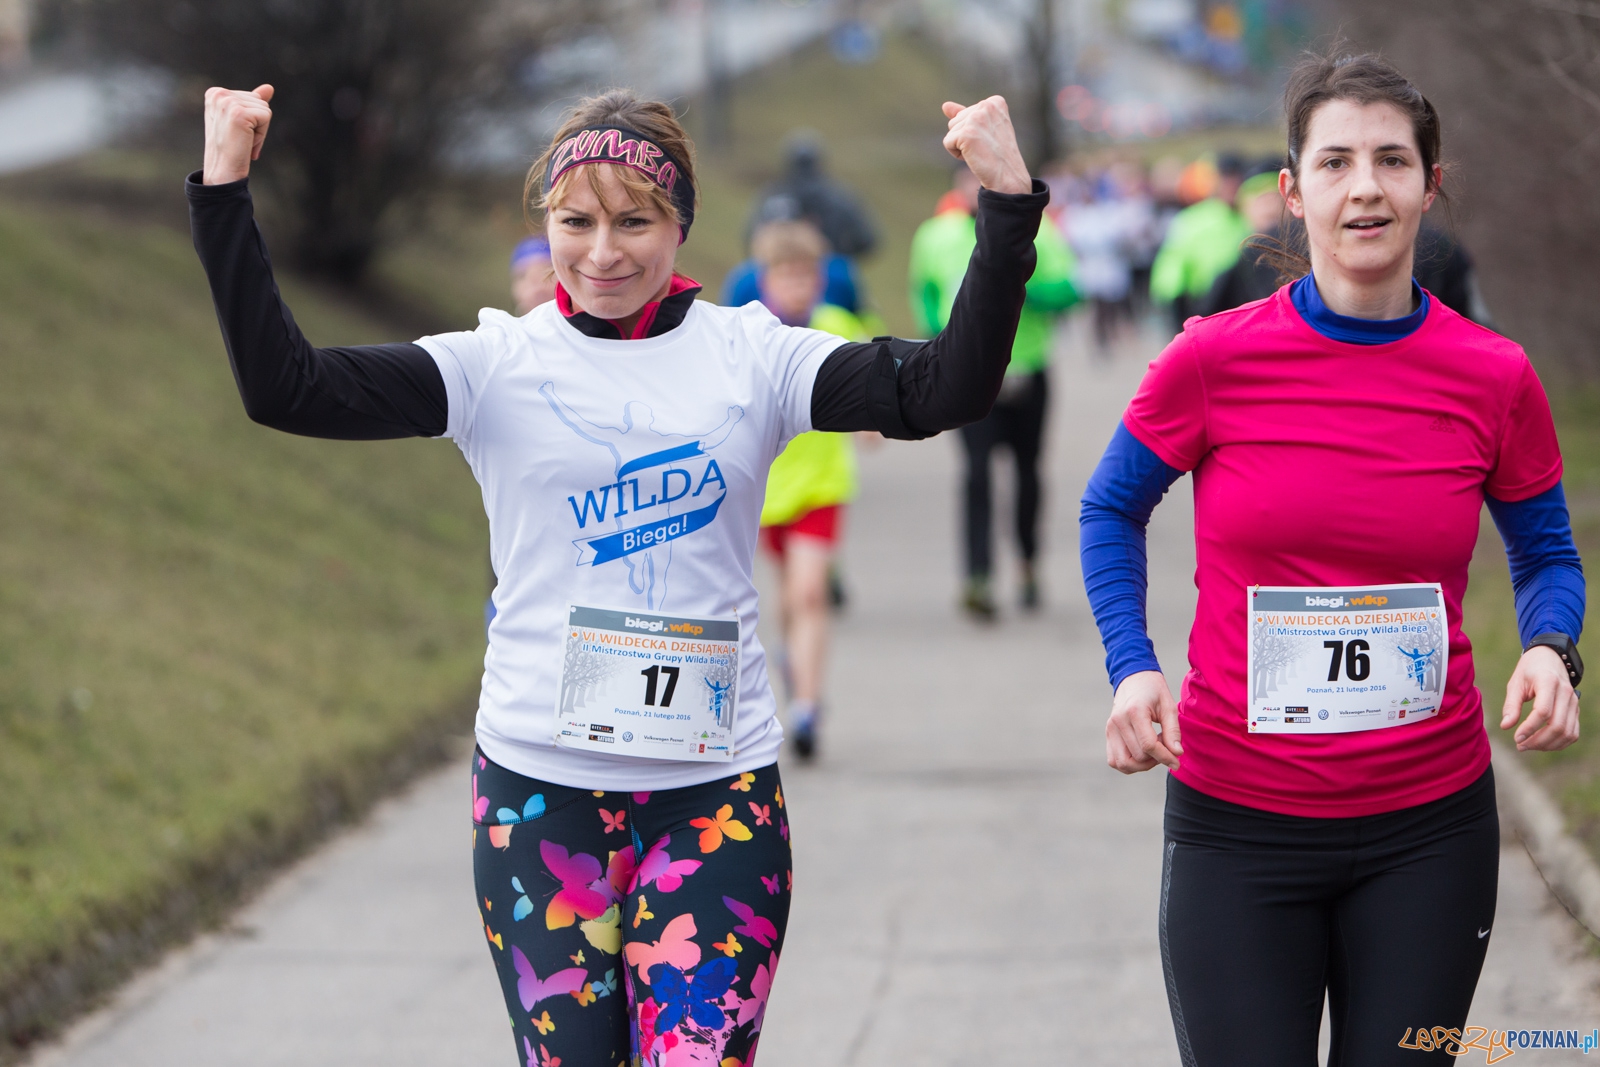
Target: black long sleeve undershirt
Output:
[
  {"x": 911, "y": 389},
  {"x": 902, "y": 389}
]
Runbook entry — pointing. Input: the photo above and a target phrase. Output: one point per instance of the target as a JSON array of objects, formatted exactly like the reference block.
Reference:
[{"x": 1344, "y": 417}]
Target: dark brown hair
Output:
[
  {"x": 622, "y": 108},
  {"x": 1364, "y": 79}
]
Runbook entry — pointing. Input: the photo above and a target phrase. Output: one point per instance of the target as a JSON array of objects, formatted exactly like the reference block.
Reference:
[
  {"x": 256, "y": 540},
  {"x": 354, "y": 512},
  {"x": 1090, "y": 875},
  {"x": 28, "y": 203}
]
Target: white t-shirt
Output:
[{"x": 548, "y": 419}]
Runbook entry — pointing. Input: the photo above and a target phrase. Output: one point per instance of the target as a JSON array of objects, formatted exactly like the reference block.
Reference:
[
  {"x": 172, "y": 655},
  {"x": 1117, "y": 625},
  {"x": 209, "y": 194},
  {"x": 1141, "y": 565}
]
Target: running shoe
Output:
[
  {"x": 803, "y": 729},
  {"x": 978, "y": 600},
  {"x": 1029, "y": 596}
]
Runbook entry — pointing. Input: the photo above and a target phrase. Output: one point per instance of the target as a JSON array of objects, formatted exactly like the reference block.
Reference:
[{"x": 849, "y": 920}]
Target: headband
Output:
[
  {"x": 534, "y": 247},
  {"x": 625, "y": 148}
]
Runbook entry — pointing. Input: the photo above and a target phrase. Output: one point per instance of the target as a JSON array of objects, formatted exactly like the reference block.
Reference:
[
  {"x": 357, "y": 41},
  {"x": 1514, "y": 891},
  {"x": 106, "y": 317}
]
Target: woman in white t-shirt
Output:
[{"x": 631, "y": 841}]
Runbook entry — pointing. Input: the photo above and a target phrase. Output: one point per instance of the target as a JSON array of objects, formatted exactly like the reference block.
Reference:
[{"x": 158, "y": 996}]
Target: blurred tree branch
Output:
[
  {"x": 369, "y": 92},
  {"x": 1517, "y": 84}
]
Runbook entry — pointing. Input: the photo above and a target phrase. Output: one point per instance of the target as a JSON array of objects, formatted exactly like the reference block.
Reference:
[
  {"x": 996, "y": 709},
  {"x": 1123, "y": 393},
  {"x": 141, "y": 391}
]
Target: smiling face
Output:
[
  {"x": 1362, "y": 190},
  {"x": 612, "y": 255}
]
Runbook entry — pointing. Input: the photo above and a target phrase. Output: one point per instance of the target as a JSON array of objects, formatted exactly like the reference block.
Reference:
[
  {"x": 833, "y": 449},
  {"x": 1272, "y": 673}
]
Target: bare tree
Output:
[
  {"x": 1517, "y": 83},
  {"x": 582, "y": 670},
  {"x": 1270, "y": 656},
  {"x": 1040, "y": 34},
  {"x": 367, "y": 91}
]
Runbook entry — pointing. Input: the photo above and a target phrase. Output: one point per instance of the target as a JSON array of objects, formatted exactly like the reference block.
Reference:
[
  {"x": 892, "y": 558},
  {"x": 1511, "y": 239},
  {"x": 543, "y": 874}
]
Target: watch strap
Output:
[{"x": 1565, "y": 647}]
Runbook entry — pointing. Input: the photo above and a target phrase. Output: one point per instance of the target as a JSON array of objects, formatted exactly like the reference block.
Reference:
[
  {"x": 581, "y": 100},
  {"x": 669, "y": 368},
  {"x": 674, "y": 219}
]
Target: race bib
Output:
[
  {"x": 1332, "y": 660},
  {"x": 655, "y": 686}
]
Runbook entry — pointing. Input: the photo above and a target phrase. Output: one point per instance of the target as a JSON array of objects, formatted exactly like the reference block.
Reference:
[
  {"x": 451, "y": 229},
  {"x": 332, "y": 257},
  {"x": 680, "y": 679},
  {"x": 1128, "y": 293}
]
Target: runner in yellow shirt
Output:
[{"x": 810, "y": 482}]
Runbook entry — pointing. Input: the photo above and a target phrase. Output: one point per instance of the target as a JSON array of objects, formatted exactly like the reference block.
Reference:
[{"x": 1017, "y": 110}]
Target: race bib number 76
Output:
[{"x": 1326, "y": 659}]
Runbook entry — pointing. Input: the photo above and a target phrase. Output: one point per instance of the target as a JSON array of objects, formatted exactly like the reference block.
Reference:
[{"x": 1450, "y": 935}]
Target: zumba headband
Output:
[{"x": 625, "y": 148}]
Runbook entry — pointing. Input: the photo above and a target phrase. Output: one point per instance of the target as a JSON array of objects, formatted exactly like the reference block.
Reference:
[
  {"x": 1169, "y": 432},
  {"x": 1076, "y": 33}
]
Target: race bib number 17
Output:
[
  {"x": 657, "y": 686},
  {"x": 1329, "y": 660}
]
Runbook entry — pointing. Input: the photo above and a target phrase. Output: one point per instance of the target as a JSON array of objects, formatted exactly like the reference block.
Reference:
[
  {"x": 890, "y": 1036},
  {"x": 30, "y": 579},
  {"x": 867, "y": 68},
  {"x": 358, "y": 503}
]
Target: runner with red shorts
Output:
[{"x": 809, "y": 483}]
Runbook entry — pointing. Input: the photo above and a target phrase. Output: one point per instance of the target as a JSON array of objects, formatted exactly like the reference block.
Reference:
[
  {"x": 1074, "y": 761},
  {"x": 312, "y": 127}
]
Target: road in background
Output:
[
  {"x": 973, "y": 885},
  {"x": 48, "y": 117}
]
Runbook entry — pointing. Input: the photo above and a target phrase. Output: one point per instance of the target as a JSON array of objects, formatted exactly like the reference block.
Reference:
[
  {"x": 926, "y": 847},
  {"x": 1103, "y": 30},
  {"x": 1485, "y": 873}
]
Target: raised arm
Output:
[
  {"x": 364, "y": 392},
  {"x": 912, "y": 390}
]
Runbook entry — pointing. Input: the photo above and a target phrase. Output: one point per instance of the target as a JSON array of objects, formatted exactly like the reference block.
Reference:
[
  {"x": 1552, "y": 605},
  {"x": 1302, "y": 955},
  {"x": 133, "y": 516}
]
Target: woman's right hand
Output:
[
  {"x": 1132, "y": 744},
  {"x": 981, "y": 136},
  {"x": 236, "y": 125}
]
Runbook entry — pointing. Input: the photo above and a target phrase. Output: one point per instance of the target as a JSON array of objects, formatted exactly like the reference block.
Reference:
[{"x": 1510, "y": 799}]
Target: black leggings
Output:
[
  {"x": 1017, "y": 421},
  {"x": 1261, "y": 913}
]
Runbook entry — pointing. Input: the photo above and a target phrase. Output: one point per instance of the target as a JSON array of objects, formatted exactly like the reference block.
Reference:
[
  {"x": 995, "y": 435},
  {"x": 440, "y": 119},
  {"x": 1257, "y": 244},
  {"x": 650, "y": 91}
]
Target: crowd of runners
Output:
[{"x": 1331, "y": 828}]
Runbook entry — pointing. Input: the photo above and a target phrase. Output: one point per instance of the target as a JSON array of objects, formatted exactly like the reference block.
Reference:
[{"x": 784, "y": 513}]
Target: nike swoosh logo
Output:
[{"x": 1484, "y": 933}]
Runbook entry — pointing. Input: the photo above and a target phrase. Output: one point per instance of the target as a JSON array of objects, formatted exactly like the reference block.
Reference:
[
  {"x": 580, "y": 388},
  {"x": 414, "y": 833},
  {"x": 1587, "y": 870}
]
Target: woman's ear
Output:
[
  {"x": 1437, "y": 180},
  {"x": 1290, "y": 193}
]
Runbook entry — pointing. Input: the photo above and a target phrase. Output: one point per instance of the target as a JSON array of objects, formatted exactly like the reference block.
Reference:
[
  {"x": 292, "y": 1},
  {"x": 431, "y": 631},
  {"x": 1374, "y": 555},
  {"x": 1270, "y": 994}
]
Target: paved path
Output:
[{"x": 974, "y": 886}]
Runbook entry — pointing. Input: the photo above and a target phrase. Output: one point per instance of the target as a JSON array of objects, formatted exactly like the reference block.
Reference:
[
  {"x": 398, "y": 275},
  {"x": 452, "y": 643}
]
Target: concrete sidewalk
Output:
[{"x": 974, "y": 886}]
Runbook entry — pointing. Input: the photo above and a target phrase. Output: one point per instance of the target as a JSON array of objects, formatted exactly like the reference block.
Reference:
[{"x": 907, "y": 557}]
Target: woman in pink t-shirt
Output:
[{"x": 1331, "y": 826}]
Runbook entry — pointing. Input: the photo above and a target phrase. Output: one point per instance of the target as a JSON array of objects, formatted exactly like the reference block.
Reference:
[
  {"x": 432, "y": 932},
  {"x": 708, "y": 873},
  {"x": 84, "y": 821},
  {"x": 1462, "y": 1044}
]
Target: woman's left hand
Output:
[
  {"x": 981, "y": 136},
  {"x": 1542, "y": 678}
]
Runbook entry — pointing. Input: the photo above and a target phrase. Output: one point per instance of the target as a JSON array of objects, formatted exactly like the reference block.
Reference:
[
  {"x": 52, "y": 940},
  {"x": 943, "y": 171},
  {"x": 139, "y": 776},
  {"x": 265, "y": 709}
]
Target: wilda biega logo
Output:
[{"x": 1497, "y": 1045}]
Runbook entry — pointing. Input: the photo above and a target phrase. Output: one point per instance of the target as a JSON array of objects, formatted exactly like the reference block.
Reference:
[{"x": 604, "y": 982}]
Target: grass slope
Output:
[{"x": 212, "y": 635}]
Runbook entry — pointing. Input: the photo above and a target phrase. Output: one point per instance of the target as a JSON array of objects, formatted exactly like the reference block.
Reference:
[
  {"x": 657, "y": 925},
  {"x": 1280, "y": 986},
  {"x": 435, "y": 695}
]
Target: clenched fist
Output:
[
  {"x": 981, "y": 136},
  {"x": 236, "y": 125}
]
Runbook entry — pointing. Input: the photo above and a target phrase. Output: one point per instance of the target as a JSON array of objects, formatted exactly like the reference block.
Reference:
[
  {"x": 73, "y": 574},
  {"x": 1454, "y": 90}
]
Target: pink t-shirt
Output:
[{"x": 1318, "y": 463}]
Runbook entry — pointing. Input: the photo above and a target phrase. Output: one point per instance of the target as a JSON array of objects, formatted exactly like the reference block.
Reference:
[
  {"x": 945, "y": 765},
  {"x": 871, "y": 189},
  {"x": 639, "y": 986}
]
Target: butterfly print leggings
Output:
[{"x": 632, "y": 928}]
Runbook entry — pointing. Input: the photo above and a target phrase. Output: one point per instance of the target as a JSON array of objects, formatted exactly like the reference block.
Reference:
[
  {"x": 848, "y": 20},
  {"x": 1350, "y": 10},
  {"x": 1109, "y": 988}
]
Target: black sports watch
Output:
[{"x": 1567, "y": 649}]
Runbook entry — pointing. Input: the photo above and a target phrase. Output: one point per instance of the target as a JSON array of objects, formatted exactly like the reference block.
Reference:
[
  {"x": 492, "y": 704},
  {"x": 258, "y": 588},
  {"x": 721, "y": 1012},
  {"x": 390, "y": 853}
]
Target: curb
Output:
[{"x": 1567, "y": 867}]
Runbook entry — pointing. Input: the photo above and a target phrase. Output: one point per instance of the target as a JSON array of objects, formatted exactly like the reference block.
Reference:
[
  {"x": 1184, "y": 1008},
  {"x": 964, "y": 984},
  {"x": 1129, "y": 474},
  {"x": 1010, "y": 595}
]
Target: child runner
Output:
[
  {"x": 631, "y": 842},
  {"x": 533, "y": 280},
  {"x": 810, "y": 482},
  {"x": 1331, "y": 824}
]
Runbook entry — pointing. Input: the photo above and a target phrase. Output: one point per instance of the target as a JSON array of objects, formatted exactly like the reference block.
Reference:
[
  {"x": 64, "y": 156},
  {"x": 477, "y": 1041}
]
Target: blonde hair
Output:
[
  {"x": 621, "y": 108},
  {"x": 795, "y": 241}
]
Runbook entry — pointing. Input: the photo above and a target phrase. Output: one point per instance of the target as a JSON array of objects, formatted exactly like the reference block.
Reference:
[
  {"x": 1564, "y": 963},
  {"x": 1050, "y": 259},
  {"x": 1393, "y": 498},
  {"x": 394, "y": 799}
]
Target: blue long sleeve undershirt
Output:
[
  {"x": 1546, "y": 571},
  {"x": 1123, "y": 492}
]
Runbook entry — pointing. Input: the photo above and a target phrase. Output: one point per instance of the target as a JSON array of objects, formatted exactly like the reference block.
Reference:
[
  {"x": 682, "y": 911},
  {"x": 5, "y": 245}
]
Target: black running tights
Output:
[
  {"x": 1017, "y": 422},
  {"x": 1261, "y": 914}
]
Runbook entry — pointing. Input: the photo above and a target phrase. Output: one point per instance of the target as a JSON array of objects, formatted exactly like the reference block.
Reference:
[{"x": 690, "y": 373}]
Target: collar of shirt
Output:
[
  {"x": 1308, "y": 302},
  {"x": 656, "y": 317}
]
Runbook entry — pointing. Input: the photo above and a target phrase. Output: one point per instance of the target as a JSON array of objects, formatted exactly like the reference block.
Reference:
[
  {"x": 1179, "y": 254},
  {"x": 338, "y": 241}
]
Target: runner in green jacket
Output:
[
  {"x": 1203, "y": 241},
  {"x": 939, "y": 254}
]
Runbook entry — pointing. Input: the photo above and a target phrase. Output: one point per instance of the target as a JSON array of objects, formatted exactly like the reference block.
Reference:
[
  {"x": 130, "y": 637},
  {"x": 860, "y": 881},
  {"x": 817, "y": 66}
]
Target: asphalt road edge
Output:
[{"x": 1566, "y": 866}]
